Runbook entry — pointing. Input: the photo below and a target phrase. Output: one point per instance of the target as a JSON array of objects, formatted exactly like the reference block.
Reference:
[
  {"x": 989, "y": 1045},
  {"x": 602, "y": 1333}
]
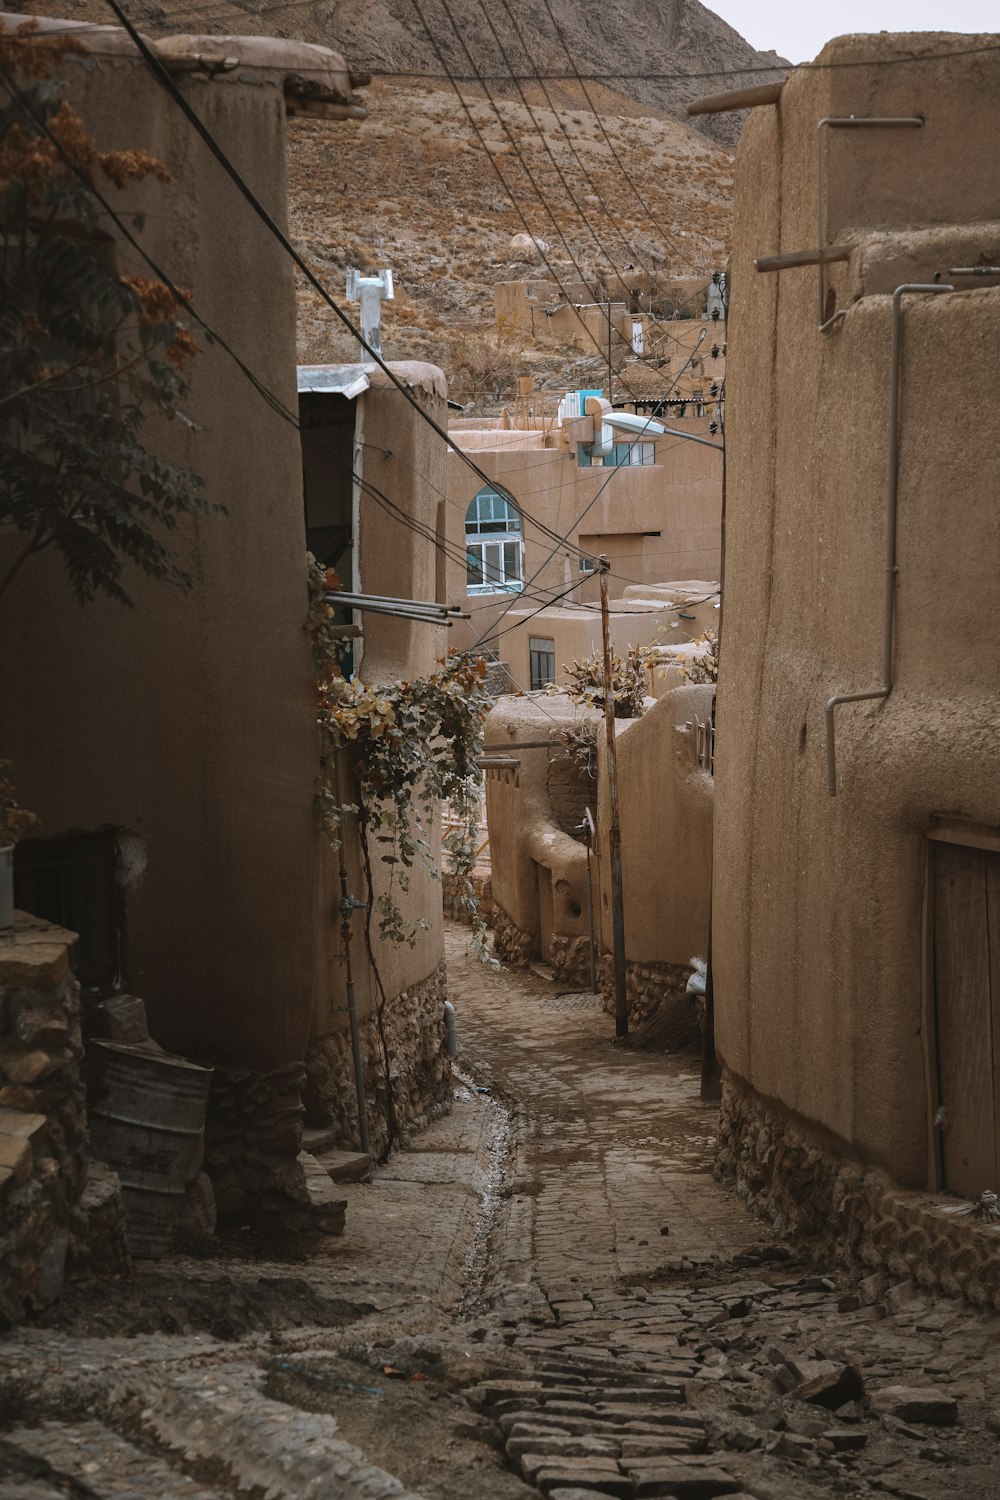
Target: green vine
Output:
[{"x": 415, "y": 746}]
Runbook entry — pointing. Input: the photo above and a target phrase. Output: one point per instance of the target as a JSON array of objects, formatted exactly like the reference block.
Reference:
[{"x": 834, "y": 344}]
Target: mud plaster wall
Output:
[
  {"x": 665, "y": 814},
  {"x": 403, "y": 458},
  {"x": 539, "y": 871},
  {"x": 191, "y": 713},
  {"x": 678, "y": 501},
  {"x": 817, "y": 920}
]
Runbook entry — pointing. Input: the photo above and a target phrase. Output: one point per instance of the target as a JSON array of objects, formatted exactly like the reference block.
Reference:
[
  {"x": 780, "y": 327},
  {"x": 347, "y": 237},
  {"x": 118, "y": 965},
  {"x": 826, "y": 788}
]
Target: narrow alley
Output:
[{"x": 548, "y": 1294}]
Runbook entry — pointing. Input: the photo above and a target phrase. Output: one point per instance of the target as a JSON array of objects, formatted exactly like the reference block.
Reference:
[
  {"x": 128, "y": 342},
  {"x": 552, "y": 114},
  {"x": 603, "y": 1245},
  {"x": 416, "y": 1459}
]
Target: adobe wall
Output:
[
  {"x": 539, "y": 870},
  {"x": 190, "y": 720},
  {"x": 817, "y": 928},
  {"x": 657, "y": 523},
  {"x": 403, "y": 459},
  {"x": 665, "y": 814}
]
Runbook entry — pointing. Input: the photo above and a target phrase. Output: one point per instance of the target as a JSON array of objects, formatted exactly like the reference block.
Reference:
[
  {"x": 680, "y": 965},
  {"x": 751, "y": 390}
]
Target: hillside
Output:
[{"x": 440, "y": 177}]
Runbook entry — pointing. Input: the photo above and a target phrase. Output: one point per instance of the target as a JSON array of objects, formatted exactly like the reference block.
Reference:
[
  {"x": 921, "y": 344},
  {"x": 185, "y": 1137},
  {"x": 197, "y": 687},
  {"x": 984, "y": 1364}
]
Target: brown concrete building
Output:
[
  {"x": 170, "y": 751},
  {"x": 857, "y": 977}
]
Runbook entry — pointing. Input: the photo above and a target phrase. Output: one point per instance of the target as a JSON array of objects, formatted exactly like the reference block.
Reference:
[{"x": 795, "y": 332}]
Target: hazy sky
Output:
[{"x": 798, "y": 29}]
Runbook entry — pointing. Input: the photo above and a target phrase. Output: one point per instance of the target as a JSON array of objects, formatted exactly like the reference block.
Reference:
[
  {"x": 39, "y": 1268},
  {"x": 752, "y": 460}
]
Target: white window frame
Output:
[{"x": 494, "y": 544}]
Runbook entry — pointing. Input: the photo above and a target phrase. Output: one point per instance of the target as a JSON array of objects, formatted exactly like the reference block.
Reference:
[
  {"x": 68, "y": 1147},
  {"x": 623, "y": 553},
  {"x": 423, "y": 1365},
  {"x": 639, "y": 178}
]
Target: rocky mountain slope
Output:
[{"x": 445, "y": 172}]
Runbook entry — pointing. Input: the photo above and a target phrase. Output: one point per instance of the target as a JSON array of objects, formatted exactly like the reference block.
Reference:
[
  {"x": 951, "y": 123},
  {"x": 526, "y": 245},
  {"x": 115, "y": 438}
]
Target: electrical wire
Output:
[
  {"x": 524, "y": 166},
  {"x": 587, "y": 508},
  {"x": 166, "y": 81}
]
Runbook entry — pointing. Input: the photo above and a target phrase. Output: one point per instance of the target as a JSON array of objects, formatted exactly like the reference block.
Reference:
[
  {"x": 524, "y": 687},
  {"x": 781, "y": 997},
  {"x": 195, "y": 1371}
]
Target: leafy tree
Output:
[{"x": 86, "y": 353}]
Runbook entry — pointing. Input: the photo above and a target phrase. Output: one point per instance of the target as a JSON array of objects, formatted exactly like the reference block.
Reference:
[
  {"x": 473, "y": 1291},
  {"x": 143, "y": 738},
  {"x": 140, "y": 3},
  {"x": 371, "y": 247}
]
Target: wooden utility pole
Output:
[{"x": 614, "y": 829}]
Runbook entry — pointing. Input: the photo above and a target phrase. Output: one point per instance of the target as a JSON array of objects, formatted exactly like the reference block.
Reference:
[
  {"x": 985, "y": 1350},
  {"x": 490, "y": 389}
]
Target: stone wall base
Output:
[
  {"x": 511, "y": 946},
  {"x": 253, "y": 1135},
  {"x": 843, "y": 1209},
  {"x": 420, "y": 1070},
  {"x": 453, "y": 894}
]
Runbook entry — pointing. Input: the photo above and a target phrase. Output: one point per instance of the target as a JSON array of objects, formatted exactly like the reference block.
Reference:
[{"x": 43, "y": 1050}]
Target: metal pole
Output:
[
  {"x": 614, "y": 830},
  {"x": 348, "y": 906}
]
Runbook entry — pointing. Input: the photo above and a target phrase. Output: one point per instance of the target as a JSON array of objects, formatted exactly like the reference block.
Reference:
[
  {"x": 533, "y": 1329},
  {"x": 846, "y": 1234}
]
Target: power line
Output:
[
  {"x": 517, "y": 151},
  {"x": 166, "y": 81}
]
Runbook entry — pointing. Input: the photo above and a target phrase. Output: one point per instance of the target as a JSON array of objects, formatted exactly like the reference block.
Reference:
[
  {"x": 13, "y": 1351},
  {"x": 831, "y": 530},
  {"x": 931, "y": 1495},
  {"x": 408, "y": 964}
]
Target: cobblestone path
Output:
[
  {"x": 548, "y": 1295},
  {"x": 666, "y": 1345}
]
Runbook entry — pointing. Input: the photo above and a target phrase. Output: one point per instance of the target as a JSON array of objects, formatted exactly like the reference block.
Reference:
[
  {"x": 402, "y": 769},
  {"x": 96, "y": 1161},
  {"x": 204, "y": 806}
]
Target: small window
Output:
[
  {"x": 542, "y": 661},
  {"x": 584, "y": 457},
  {"x": 632, "y": 453},
  {"x": 494, "y": 547},
  {"x": 588, "y": 564}
]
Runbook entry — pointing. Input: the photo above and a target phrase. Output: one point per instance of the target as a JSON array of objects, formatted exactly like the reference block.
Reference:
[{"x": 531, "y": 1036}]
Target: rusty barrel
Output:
[{"x": 147, "y": 1119}]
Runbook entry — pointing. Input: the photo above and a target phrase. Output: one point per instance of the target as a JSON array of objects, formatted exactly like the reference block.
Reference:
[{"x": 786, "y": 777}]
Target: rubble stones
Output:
[
  {"x": 910, "y": 1404},
  {"x": 908, "y": 1239},
  {"x": 43, "y": 1132},
  {"x": 420, "y": 1066}
]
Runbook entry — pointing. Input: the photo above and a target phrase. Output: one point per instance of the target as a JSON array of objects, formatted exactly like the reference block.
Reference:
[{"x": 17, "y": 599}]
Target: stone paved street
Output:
[{"x": 549, "y": 1294}]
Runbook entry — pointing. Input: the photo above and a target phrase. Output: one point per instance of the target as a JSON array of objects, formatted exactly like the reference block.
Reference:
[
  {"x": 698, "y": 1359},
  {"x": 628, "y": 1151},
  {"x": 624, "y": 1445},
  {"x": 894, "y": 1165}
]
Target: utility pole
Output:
[{"x": 614, "y": 829}]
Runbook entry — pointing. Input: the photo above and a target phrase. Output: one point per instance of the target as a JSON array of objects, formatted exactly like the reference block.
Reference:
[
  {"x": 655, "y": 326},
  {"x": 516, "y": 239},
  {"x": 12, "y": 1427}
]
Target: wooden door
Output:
[{"x": 966, "y": 895}]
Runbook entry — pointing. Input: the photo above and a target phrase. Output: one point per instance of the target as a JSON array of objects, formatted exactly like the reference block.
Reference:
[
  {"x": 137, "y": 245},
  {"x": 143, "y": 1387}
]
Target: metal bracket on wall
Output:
[
  {"x": 844, "y": 122},
  {"x": 892, "y": 493}
]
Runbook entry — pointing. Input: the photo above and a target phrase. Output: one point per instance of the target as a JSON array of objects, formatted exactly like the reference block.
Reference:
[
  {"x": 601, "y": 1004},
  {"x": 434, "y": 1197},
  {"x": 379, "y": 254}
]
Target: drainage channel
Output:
[{"x": 495, "y": 1158}]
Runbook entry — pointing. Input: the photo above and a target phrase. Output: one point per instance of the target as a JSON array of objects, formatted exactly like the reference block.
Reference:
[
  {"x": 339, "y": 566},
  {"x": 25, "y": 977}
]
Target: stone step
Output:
[
  {"x": 345, "y": 1166},
  {"x": 317, "y": 1138},
  {"x": 328, "y": 1210}
]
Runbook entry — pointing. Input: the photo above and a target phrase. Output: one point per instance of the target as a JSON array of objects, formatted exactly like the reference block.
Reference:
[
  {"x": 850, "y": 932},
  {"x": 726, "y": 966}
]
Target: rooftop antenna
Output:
[{"x": 370, "y": 291}]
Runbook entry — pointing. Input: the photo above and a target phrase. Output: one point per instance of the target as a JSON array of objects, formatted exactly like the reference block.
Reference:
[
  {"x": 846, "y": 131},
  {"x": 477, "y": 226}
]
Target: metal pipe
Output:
[
  {"x": 614, "y": 829},
  {"x": 450, "y": 1029},
  {"x": 372, "y": 607},
  {"x": 974, "y": 270},
  {"x": 840, "y": 123},
  {"x": 349, "y": 594},
  {"x": 348, "y": 906},
  {"x": 892, "y": 496},
  {"x": 589, "y": 824}
]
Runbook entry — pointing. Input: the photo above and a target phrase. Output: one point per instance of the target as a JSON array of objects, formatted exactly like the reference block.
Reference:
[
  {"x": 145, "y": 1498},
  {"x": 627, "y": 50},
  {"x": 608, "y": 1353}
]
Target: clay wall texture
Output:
[
  {"x": 170, "y": 742},
  {"x": 817, "y": 931}
]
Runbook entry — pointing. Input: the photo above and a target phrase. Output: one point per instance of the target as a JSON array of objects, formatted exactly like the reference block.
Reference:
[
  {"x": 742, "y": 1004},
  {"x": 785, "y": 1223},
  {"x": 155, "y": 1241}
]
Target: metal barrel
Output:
[{"x": 147, "y": 1117}]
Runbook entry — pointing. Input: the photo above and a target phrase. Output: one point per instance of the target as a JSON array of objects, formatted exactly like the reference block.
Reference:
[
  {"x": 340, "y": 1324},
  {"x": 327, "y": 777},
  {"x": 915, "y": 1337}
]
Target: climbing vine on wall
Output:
[{"x": 414, "y": 746}]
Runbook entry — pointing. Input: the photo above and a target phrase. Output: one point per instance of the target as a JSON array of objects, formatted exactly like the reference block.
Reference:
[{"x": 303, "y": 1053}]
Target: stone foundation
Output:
[
  {"x": 796, "y": 1182},
  {"x": 253, "y": 1135},
  {"x": 511, "y": 946},
  {"x": 420, "y": 1070},
  {"x": 43, "y": 1128},
  {"x": 452, "y": 894},
  {"x": 570, "y": 960},
  {"x": 655, "y": 992}
]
